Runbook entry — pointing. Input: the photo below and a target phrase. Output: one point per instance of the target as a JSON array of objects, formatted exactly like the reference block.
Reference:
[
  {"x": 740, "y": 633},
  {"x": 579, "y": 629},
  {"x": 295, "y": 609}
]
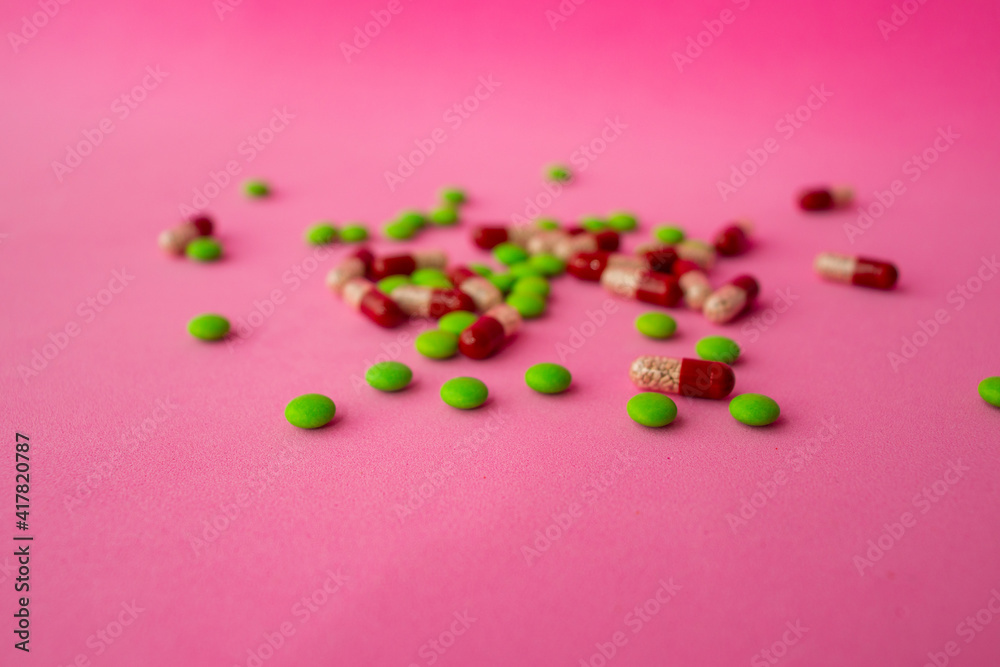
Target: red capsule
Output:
[
  {"x": 860, "y": 271},
  {"x": 397, "y": 265},
  {"x": 354, "y": 265},
  {"x": 176, "y": 240},
  {"x": 362, "y": 295},
  {"x": 734, "y": 239},
  {"x": 484, "y": 294},
  {"x": 731, "y": 300},
  {"x": 488, "y": 237},
  {"x": 661, "y": 289},
  {"x": 435, "y": 302},
  {"x": 484, "y": 337},
  {"x": 825, "y": 199},
  {"x": 688, "y": 377}
]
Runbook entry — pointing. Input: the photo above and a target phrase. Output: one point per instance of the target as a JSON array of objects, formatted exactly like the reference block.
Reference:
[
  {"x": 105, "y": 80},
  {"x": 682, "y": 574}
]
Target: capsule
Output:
[
  {"x": 176, "y": 240},
  {"x": 485, "y": 336},
  {"x": 734, "y": 239},
  {"x": 692, "y": 250},
  {"x": 354, "y": 265},
  {"x": 825, "y": 199},
  {"x": 694, "y": 283},
  {"x": 688, "y": 377},
  {"x": 490, "y": 236},
  {"x": 661, "y": 289},
  {"x": 732, "y": 299},
  {"x": 484, "y": 294},
  {"x": 590, "y": 265},
  {"x": 434, "y": 302},
  {"x": 396, "y": 265},
  {"x": 860, "y": 271},
  {"x": 572, "y": 244},
  {"x": 362, "y": 295}
]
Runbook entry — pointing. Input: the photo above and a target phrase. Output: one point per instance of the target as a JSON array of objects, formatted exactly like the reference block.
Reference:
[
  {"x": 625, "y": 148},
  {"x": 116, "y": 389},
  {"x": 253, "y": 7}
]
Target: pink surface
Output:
[{"x": 141, "y": 437}]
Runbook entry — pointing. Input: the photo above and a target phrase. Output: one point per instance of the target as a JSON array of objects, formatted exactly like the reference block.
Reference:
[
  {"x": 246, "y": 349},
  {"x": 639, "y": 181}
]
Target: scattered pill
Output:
[
  {"x": 310, "y": 411},
  {"x": 389, "y": 376},
  {"x": 718, "y": 348},
  {"x": 694, "y": 283},
  {"x": 656, "y": 325},
  {"x": 731, "y": 300},
  {"x": 489, "y": 237},
  {"x": 437, "y": 344},
  {"x": 177, "y": 239},
  {"x": 660, "y": 289},
  {"x": 457, "y": 321},
  {"x": 733, "y": 239},
  {"x": 415, "y": 219},
  {"x": 443, "y": 216},
  {"x": 362, "y": 295},
  {"x": 825, "y": 199},
  {"x": 405, "y": 264},
  {"x": 558, "y": 172},
  {"x": 389, "y": 283},
  {"x": 754, "y": 409},
  {"x": 688, "y": 377},
  {"x": 525, "y": 269},
  {"x": 591, "y": 265},
  {"x": 209, "y": 327},
  {"x": 321, "y": 234},
  {"x": 204, "y": 249},
  {"x": 668, "y": 234},
  {"x": 528, "y": 304},
  {"x": 481, "y": 269},
  {"x": 594, "y": 224},
  {"x": 569, "y": 245},
  {"x": 859, "y": 271},
  {"x": 621, "y": 221},
  {"x": 355, "y": 265},
  {"x": 503, "y": 281},
  {"x": 482, "y": 291},
  {"x": 488, "y": 334},
  {"x": 354, "y": 233},
  {"x": 651, "y": 409},
  {"x": 431, "y": 277},
  {"x": 548, "y": 264},
  {"x": 464, "y": 393},
  {"x": 696, "y": 251},
  {"x": 508, "y": 253},
  {"x": 400, "y": 231},
  {"x": 548, "y": 378},
  {"x": 547, "y": 224},
  {"x": 533, "y": 284},
  {"x": 256, "y": 188},
  {"x": 434, "y": 302},
  {"x": 989, "y": 389},
  {"x": 452, "y": 195}
]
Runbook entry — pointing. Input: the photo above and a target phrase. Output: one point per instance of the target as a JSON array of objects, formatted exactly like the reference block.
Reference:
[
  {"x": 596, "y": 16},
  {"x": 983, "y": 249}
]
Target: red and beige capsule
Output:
[
  {"x": 860, "y": 271},
  {"x": 825, "y": 199},
  {"x": 176, "y": 240},
  {"x": 355, "y": 265},
  {"x": 688, "y": 377},
  {"x": 434, "y": 302},
  {"x": 484, "y": 294},
  {"x": 692, "y": 250},
  {"x": 404, "y": 265},
  {"x": 569, "y": 245},
  {"x": 694, "y": 283},
  {"x": 733, "y": 239},
  {"x": 591, "y": 265},
  {"x": 362, "y": 295},
  {"x": 641, "y": 284},
  {"x": 489, "y": 236},
  {"x": 731, "y": 300},
  {"x": 484, "y": 337}
]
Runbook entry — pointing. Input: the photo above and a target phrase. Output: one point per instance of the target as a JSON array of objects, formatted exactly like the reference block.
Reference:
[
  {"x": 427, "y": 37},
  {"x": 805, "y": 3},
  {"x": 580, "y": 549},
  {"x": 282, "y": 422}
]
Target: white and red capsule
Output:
[
  {"x": 692, "y": 250},
  {"x": 641, "y": 284},
  {"x": 860, "y": 271},
  {"x": 694, "y": 283},
  {"x": 484, "y": 294},
  {"x": 571, "y": 244},
  {"x": 825, "y": 198},
  {"x": 434, "y": 302},
  {"x": 590, "y": 265},
  {"x": 355, "y": 265},
  {"x": 362, "y": 295},
  {"x": 488, "y": 237},
  {"x": 177, "y": 239},
  {"x": 405, "y": 264},
  {"x": 733, "y": 239},
  {"x": 688, "y": 377},
  {"x": 731, "y": 300},
  {"x": 484, "y": 337}
]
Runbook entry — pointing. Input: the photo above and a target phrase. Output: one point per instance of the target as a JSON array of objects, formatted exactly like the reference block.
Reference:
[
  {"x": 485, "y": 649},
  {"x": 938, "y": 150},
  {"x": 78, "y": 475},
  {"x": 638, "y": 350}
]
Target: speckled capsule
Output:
[
  {"x": 484, "y": 294},
  {"x": 405, "y": 264},
  {"x": 691, "y": 250},
  {"x": 176, "y": 240},
  {"x": 568, "y": 246},
  {"x": 661, "y": 289},
  {"x": 731, "y": 300},
  {"x": 688, "y": 377},
  {"x": 859, "y": 271},
  {"x": 694, "y": 283},
  {"x": 591, "y": 265},
  {"x": 825, "y": 199},
  {"x": 354, "y": 265},
  {"x": 362, "y": 295},
  {"x": 734, "y": 238},
  {"x": 434, "y": 302},
  {"x": 488, "y": 237},
  {"x": 484, "y": 337}
]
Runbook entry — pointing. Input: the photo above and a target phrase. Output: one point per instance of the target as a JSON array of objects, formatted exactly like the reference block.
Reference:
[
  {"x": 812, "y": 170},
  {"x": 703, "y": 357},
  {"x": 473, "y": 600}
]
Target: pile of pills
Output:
[{"x": 446, "y": 213}]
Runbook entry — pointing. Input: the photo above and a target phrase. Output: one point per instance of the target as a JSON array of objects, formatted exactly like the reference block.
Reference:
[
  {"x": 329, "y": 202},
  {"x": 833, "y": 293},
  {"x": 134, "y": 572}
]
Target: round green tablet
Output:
[
  {"x": 717, "y": 348},
  {"x": 400, "y": 231},
  {"x": 656, "y": 325},
  {"x": 548, "y": 378},
  {"x": 209, "y": 327},
  {"x": 532, "y": 284},
  {"x": 527, "y": 304},
  {"x": 256, "y": 188},
  {"x": 444, "y": 216},
  {"x": 389, "y": 283},
  {"x": 437, "y": 344},
  {"x": 453, "y": 195},
  {"x": 411, "y": 217},
  {"x": 502, "y": 281},
  {"x": 457, "y": 321},
  {"x": 754, "y": 409},
  {"x": 389, "y": 376},
  {"x": 508, "y": 253},
  {"x": 651, "y": 409},
  {"x": 989, "y": 389},
  {"x": 593, "y": 223},
  {"x": 464, "y": 393},
  {"x": 547, "y": 224},
  {"x": 668, "y": 234},
  {"x": 558, "y": 172},
  {"x": 548, "y": 264},
  {"x": 355, "y": 233},
  {"x": 431, "y": 277},
  {"x": 204, "y": 249},
  {"x": 321, "y": 233},
  {"x": 622, "y": 221},
  {"x": 481, "y": 269},
  {"x": 310, "y": 411},
  {"x": 524, "y": 269}
]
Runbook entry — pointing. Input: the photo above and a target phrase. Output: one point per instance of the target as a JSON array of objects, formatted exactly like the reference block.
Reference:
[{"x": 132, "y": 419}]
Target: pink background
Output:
[{"x": 115, "y": 517}]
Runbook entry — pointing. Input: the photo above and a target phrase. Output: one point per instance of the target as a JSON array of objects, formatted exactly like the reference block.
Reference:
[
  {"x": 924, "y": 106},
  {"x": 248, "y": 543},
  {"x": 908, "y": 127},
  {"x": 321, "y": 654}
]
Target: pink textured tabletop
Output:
[{"x": 178, "y": 519}]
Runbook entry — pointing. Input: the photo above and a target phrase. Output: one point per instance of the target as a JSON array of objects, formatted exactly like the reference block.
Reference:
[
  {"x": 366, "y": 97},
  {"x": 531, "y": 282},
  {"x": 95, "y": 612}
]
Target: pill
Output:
[
  {"x": 528, "y": 305},
  {"x": 558, "y": 172},
  {"x": 668, "y": 234},
  {"x": 362, "y": 295},
  {"x": 434, "y": 302},
  {"x": 545, "y": 241},
  {"x": 256, "y": 188},
  {"x": 547, "y": 223},
  {"x": 651, "y": 409},
  {"x": 389, "y": 376},
  {"x": 209, "y": 327},
  {"x": 407, "y": 263},
  {"x": 656, "y": 325},
  {"x": 661, "y": 289},
  {"x": 731, "y": 300},
  {"x": 400, "y": 231},
  {"x": 484, "y": 293},
  {"x": 509, "y": 253},
  {"x": 825, "y": 199},
  {"x": 588, "y": 242},
  {"x": 503, "y": 281},
  {"x": 457, "y": 321},
  {"x": 464, "y": 393},
  {"x": 734, "y": 238},
  {"x": 989, "y": 389},
  {"x": 431, "y": 277},
  {"x": 177, "y": 239},
  {"x": 354, "y": 233},
  {"x": 546, "y": 378},
  {"x": 696, "y": 251},
  {"x": 591, "y": 265},
  {"x": 321, "y": 233},
  {"x": 754, "y": 409},
  {"x": 415, "y": 219},
  {"x": 489, "y": 237},
  {"x": 694, "y": 283},
  {"x": 860, "y": 271},
  {"x": 525, "y": 269},
  {"x": 717, "y": 348},
  {"x": 534, "y": 285},
  {"x": 389, "y": 283},
  {"x": 204, "y": 249},
  {"x": 548, "y": 264},
  {"x": 355, "y": 265},
  {"x": 443, "y": 216},
  {"x": 310, "y": 411},
  {"x": 622, "y": 221},
  {"x": 453, "y": 195},
  {"x": 481, "y": 269},
  {"x": 688, "y": 377},
  {"x": 489, "y": 333},
  {"x": 437, "y": 344},
  {"x": 592, "y": 223}
]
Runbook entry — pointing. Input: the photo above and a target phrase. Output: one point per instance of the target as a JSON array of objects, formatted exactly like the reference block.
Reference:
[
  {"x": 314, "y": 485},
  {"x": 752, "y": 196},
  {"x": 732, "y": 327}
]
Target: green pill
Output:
[
  {"x": 524, "y": 269},
  {"x": 321, "y": 234},
  {"x": 989, "y": 389},
  {"x": 453, "y": 195},
  {"x": 443, "y": 216},
  {"x": 622, "y": 221},
  {"x": 651, "y": 409},
  {"x": 754, "y": 409},
  {"x": 310, "y": 411},
  {"x": 437, "y": 344},
  {"x": 533, "y": 285},
  {"x": 548, "y": 264},
  {"x": 502, "y": 281},
  {"x": 429, "y": 277},
  {"x": 668, "y": 234},
  {"x": 527, "y": 304},
  {"x": 464, "y": 393},
  {"x": 594, "y": 224},
  {"x": 400, "y": 231},
  {"x": 355, "y": 233},
  {"x": 256, "y": 188},
  {"x": 547, "y": 224},
  {"x": 558, "y": 172},
  {"x": 718, "y": 348},
  {"x": 508, "y": 253},
  {"x": 413, "y": 218},
  {"x": 481, "y": 269},
  {"x": 204, "y": 249},
  {"x": 457, "y": 321},
  {"x": 389, "y": 376},
  {"x": 548, "y": 378},
  {"x": 656, "y": 325},
  {"x": 209, "y": 327},
  {"x": 389, "y": 283}
]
